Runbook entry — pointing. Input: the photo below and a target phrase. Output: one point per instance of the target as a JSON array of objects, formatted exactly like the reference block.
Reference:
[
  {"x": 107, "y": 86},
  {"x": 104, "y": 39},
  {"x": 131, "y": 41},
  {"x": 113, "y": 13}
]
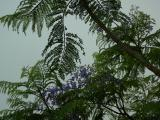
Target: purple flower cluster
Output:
[{"x": 77, "y": 80}]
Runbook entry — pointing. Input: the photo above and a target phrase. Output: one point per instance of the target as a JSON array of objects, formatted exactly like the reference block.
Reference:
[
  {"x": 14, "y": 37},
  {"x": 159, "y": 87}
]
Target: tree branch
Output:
[
  {"x": 125, "y": 47},
  {"x": 112, "y": 110},
  {"x": 43, "y": 99}
]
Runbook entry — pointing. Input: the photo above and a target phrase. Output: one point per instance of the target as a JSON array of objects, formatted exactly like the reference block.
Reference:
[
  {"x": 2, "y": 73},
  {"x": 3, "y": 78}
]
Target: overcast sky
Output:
[{"x": 18, "y": 50}]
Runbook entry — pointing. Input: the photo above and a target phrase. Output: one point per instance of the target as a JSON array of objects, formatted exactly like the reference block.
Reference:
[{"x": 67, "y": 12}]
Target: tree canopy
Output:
[{"x": 116, "y": 86}]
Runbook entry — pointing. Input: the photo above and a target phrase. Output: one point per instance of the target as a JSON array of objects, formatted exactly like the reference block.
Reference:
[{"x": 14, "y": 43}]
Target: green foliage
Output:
[
  {"x": 119, "y": 89},
  {"x": 25, "y": 98},
  {"x": 62, "y": 47},
  {"x": 138, "y": 34},
  {"x": 29, "y": 12}
]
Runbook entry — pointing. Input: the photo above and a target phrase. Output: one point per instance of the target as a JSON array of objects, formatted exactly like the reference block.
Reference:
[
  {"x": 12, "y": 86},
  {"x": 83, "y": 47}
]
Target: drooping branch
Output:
[
  {"x": 123, "y": 46},
  {"x": 43, "y": 99}
]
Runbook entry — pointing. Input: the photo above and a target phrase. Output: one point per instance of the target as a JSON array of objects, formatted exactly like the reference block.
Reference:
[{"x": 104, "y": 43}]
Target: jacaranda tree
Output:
[
  {"x": 38, "y": 95},
  {"x": 115, "y": 87}
]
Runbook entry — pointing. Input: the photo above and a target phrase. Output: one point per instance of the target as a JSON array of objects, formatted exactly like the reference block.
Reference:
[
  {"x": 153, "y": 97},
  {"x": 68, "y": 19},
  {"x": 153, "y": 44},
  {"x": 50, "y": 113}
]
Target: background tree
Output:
[
  {"x": 37, "y": 97},
  {"x": 119, "y": 86},
  {"x": 101, "y": 14},
  {"x": 26, "y": 98}
]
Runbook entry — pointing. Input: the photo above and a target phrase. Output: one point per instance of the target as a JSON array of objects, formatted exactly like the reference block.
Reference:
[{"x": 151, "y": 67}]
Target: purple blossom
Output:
[
  {"x": 83, "y": 72},
  {"x": 72, "y": 78},
  {"x": 76, "y": 81},
  {"x": 66, "y": 87},
  {"x": 73, "y": 84},
  {"x": 53, "y": 90}
]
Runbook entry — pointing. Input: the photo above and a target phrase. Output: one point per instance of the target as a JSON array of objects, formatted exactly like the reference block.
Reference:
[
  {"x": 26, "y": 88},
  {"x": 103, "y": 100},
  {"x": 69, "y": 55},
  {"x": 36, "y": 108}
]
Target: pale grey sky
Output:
[{"x": 18, "y": 50}]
